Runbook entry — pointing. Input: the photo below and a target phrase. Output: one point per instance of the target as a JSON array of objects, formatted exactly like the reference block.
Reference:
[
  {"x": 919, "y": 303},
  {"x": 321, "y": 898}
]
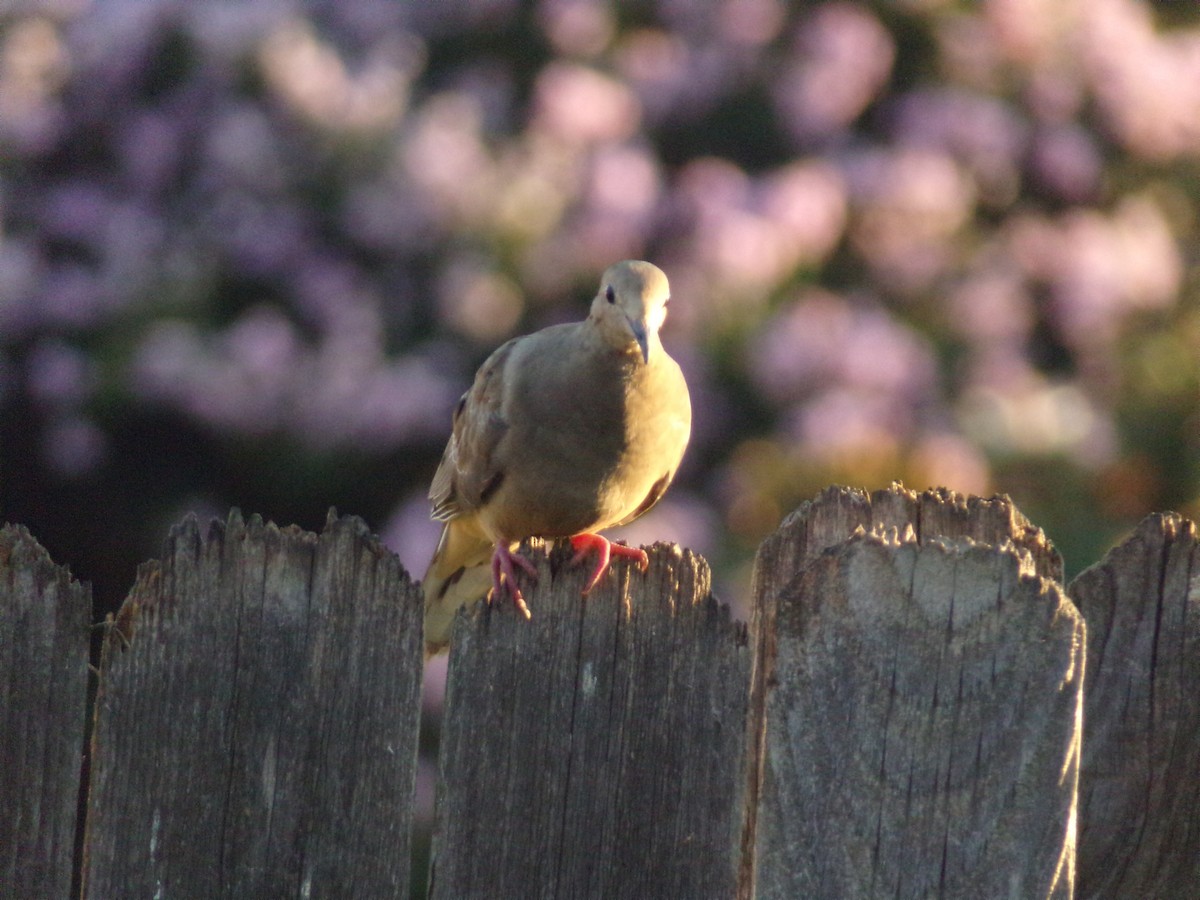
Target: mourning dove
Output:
[{"x": 565, "y": 432}]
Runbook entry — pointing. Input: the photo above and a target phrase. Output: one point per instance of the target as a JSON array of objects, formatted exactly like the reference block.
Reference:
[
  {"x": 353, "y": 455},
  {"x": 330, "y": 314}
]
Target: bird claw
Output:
[
  {"x": 504, "y": 577},
  {"x": 605, "y": 549}
]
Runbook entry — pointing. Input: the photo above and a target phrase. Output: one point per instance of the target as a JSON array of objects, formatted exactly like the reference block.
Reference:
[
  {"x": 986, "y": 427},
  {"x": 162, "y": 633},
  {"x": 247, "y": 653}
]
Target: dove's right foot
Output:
[
  {"x": 504, "y": 576},
  {"x": 605, "y": 550}
]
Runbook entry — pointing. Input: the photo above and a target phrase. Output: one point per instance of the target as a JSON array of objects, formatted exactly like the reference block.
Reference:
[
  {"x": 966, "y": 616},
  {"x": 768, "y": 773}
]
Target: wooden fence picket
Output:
[
  {"x": 1139, "y": 786},
  {"x": 597, "y": 749},
  {"x": 916, "y": 708},
  {"x": 44, "y": 633},
  {"x": 256, "y": 724},
  {"x": 918, "y": 695}
]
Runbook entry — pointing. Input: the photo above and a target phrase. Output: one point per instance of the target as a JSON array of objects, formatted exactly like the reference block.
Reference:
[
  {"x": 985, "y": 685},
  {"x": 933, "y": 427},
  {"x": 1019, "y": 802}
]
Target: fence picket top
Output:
[
  {"x": 932, "y": 525},
  {"x": 1140, "y": 773},
  {"x": 45, "y": 618},
  {"x": 596, "y": 749},
  {"x": 921, "y": 734},
  {"x": 837, "y": 511},
  {"x": 256, "y": 723}
]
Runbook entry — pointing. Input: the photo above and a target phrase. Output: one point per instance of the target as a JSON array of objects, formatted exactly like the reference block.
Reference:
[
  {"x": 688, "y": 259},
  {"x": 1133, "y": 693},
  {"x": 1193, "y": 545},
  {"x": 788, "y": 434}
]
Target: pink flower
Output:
[
  {"x": 1100, "y": 268},
  {"x": 1146, "y": 84},
  {"x": 581, "y": 106},
  {"x": 907, "y": 205}
]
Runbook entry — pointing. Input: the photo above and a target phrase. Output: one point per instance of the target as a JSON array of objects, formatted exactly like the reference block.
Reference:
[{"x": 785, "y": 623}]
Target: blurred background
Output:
[{"x": 250, "y": 254}]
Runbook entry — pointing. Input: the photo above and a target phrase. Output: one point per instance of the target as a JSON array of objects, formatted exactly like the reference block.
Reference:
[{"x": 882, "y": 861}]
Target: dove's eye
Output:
[{"x": 610, "y": 295}]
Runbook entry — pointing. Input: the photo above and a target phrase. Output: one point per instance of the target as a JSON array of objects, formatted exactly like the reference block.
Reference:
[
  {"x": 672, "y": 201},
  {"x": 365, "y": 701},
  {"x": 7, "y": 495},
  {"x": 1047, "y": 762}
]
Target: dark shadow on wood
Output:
[
  {"x": 44, "y": 632},
  {"x": 256, "y": 719},
  {"x": 1139, "y": 784}
]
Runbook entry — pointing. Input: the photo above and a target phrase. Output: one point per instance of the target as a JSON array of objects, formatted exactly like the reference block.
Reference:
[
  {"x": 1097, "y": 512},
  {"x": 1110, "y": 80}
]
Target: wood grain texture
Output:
[
  {"x": 919, "y": 697},
  {"x": 838, "y": 512},
  {"x": 595, "y": 750},
  {"x": 257, "y": 734},
  {"x": 1140, "y": 776},
  {"x": 44, "y": 634}
]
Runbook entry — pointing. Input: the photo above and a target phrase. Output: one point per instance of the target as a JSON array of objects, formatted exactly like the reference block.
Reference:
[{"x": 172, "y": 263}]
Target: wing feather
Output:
[{"x": 469, "y": 472}]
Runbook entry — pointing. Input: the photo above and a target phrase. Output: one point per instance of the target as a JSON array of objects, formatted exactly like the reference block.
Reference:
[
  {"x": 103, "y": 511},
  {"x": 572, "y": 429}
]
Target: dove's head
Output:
[{"x": 632, "y": 305}]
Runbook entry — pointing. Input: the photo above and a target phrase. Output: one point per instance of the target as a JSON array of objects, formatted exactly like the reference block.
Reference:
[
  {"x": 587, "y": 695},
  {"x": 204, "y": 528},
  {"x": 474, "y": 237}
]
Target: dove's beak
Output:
[{"x": 639, "y": 334}]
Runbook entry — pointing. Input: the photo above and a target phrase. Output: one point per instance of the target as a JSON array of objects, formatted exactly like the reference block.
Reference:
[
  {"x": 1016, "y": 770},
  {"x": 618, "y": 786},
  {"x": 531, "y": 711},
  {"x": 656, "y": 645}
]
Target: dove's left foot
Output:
[
  {"x": 504, "y": 576},
  {"x": 606, "y": 549}
]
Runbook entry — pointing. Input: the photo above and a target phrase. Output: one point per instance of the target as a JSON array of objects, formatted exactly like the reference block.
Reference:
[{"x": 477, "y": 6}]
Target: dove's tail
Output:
[{"x": 458, "y": 574}]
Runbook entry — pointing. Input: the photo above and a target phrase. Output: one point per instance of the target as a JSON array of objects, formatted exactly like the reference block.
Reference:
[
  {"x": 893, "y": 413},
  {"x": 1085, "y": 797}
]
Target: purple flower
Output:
[
  {"x": 946, "y": 458},
  {"x": 1026, "y": 413},
  {"x": 577, "y": 27},
  {"x": 478, "y": 301},
  {"x": 845, "y": 421},
  {"x": 842, "y": 60},
  {"x": 751, "y": 23},
  {"x": 309, "y": 76},
  {"x": 991, "y": 306},
  {"x": 906, "y": 205},
  {"x": 823, "y": 340},
  {"x": 73, "y": 445},
  {"x": 20, "y": 270},
  {"x": 1099, "y": 268},
  {"x": 59, "y": 375},
  {"x": 1066, "y": 160},
  {"x": 985, "y": 133},
  {"x": 748, "y": 235},
  {"x": 411, "y": 533}
]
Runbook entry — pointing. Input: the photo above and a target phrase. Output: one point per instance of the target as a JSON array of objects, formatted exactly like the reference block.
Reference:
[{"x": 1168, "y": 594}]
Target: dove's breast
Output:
[{"x": 599, "y": 433}]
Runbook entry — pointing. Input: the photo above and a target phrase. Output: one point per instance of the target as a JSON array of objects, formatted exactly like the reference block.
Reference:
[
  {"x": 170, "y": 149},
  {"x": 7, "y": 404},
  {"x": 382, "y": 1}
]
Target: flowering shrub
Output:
[{"x": 250, "y": 254}]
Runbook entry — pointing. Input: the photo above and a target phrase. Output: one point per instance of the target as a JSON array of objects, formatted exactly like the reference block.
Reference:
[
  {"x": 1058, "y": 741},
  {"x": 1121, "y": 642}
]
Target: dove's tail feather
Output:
[{"x": 458, "y": 574}]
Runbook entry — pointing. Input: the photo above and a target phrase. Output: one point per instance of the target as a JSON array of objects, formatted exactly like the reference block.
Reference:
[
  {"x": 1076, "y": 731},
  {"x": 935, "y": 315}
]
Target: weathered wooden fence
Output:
[{"x": 918, "y": 708}]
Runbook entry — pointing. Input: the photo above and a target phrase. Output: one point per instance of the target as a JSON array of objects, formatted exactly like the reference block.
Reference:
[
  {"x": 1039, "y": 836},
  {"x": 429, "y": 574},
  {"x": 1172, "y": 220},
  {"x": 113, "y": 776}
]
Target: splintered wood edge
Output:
[
  {"x": 833, "y": 514},
  {"x": 896, "y": 513},
  {"x": 20, "y": 550},
  {"x": 146, "y": 594}
]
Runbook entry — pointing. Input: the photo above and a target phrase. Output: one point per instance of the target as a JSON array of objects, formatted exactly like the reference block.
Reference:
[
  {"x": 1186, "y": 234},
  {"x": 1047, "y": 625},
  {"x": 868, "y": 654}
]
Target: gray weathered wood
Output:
[
  {"x": 44, "y": 634},
  {"x": 915, "y": 702},
  {"x": 836, "y": 512},
  {"x": 833, "y": 516},
  {"x": 1139, "y": 785},
  {"x": 257, "y": 736},
  {"x": 920, "y": 699},
  {"x": 595, "y": 750}
]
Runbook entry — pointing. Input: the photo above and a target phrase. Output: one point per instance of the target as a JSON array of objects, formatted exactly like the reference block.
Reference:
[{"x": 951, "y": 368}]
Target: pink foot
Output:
[
  {"x": 504, "y": 576},
  {"x": 605, "y": 549}
]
